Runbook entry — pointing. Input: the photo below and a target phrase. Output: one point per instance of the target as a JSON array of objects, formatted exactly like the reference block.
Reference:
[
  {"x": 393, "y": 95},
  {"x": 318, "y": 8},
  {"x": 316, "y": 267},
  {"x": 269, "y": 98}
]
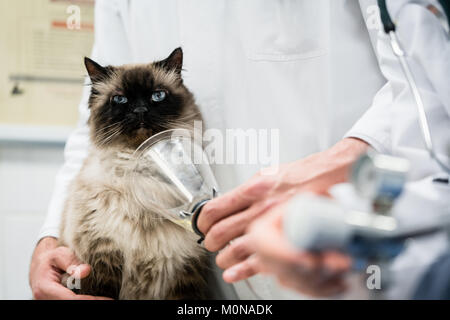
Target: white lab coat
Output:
[
  {"x": 398, "y": 132},
  {"x": 304, "y": 67}
]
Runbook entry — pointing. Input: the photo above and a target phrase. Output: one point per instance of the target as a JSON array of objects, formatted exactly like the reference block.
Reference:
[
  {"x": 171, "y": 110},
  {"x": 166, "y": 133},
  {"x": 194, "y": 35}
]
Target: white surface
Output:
[
  {"x": 27, "y": 174},
  {"x": 24, "y": 133}
]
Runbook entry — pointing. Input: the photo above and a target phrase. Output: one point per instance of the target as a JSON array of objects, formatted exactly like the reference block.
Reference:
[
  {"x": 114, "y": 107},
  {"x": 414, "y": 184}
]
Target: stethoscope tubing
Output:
[
  {"x": 390, "y": 29},
  {"x": 423, "y": 120}
]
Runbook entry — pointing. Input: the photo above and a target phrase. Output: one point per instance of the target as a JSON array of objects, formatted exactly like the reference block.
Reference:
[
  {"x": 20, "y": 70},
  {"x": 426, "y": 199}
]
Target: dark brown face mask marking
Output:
[{"x": 131, "y": 103}]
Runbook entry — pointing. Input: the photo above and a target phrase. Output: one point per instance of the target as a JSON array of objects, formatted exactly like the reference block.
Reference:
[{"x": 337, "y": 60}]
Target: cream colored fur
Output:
[{"x": 110, "y": 199}]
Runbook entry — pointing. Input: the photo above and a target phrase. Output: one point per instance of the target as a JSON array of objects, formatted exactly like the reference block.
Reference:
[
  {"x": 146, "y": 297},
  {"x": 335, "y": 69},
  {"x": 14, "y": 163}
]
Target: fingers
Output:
[
  {"x": 315, "y": 274},
  {"x": 48, "y": 290},
  {"x": 307, "y": 284},
  {"x": 242, "y": 270},
  {"x": 317, "y": 281},
  {"x": 336, "y": 263},
  {"x": 87, "y": 297},
  {"x": 64, "y": 259},
  {"x": 268, "y": 240},
  {"x": 55, "y": 291},
  {"x": 232, "y": 227},
  {"x": 46, "y": 273},
  {"x": 236, "y": 252},
  {"x": 231, "y": 202}
]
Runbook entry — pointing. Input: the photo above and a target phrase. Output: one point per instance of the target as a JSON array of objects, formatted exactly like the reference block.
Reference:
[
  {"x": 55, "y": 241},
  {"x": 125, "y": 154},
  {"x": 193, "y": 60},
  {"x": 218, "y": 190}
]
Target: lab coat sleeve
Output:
[
  {"x": 110, "y": 48},
  {"x": 374, "y": 127}
]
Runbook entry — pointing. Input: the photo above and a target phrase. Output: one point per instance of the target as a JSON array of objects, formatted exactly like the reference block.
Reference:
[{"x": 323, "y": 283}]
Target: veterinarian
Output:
[
  {"x": 422, "y": 31},
  {"x": 305, "y": 68}
]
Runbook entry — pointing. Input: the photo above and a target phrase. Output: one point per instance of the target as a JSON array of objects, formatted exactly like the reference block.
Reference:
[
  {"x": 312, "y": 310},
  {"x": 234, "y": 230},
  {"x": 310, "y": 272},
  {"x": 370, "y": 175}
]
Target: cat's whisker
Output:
[
  {"x": 111, "y": 136},
  {"x": 105, "y": 131},
  {"x": 179, "y": 124},
  {"x": 104, "y": 128},
  {"x": 194, "y": 115},
  {"x": 105, "y": 136}
]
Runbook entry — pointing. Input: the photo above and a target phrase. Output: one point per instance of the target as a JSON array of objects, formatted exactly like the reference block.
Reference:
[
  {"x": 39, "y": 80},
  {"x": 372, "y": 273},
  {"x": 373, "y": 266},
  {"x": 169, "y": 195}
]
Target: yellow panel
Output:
[{"x": 41, "y": 60}]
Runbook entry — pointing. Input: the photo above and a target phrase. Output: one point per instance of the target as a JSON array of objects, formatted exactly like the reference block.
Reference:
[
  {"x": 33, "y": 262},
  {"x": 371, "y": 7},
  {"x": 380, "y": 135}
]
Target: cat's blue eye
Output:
[
  {"x": 120, "y": 99},
  {"x": 159, "y": 95}
]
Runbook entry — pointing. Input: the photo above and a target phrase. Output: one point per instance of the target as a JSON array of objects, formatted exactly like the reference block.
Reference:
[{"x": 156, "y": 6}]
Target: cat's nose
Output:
[{"x": 140, "y": 110}]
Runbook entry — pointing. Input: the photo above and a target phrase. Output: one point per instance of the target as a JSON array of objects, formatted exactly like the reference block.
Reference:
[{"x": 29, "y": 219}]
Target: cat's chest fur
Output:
[{"x": 110, "y": 218}]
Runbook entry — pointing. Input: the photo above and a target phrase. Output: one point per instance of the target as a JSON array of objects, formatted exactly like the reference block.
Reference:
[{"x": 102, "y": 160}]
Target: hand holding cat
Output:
[
  {"x": 48, "y": 265},
  {"x": 227, "y": 218}
]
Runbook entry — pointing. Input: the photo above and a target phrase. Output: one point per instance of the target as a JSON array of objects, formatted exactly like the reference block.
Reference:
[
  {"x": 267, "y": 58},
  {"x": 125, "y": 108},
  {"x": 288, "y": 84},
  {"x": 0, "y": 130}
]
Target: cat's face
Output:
[{"x": 131, "y": 103}]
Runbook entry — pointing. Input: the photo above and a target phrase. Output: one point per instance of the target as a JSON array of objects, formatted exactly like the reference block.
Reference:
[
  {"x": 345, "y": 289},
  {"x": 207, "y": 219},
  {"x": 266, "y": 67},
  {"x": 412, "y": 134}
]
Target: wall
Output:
[
  {"x": 27, "y": 173},
  {"x": 41, "y": 79}
]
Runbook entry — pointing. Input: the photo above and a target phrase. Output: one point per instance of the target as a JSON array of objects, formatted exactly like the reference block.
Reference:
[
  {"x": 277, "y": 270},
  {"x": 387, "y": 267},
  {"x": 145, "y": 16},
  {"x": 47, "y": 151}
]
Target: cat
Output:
[{"x": 134, "y": 252}]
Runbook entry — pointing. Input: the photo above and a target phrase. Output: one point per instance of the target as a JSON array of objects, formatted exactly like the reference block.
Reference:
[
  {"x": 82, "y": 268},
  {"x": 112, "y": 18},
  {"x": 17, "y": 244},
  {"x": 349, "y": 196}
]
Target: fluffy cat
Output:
[{"x": 134, "y": 252}]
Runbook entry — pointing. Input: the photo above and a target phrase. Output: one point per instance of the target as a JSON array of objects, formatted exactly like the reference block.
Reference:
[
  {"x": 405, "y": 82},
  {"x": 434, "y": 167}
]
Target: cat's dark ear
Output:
[
  {"x": 173, "y": 62},
  {"x": 96, "y": 72}
]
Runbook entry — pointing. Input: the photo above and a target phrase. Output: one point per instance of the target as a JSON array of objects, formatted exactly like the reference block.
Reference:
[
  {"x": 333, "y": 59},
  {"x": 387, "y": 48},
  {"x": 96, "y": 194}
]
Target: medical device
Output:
[
  {"x": 319, "y": 223},
  {"x": 380, "y": 178},
  {"x": 181, "y": 167},
  {"x": 390, "y": 29}
]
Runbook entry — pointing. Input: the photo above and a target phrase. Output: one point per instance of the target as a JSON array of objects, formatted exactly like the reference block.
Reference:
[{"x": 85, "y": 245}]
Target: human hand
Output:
[
  {"x": 227, "y": 217},
  {"x": 316, "y": 274},
  {"x": 48, "y": 265}
]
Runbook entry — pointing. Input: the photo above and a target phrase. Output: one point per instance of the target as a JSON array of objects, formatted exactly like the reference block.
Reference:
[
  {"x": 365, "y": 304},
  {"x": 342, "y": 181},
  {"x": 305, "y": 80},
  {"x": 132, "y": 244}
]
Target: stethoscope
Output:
[{"x": 390, "y": 29}]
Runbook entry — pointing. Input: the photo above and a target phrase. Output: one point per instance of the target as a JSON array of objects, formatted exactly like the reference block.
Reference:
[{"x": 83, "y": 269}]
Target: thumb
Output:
[
  {"x": 80, "y": 271},
  {"x": 64, "y": 259}
]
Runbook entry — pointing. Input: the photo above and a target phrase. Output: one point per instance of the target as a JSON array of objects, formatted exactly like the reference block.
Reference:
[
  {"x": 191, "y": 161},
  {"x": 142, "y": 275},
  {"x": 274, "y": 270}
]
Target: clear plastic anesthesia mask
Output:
[{"x": 179, "y": 168}]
